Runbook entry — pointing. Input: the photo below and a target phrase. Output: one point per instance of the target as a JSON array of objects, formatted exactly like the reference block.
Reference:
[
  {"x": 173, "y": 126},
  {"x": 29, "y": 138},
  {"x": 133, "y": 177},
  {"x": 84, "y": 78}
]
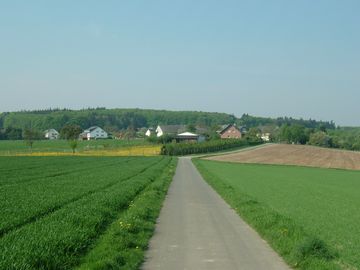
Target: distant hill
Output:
[
  {"x": 113, "y": 119},
  {"x": 255, "y": 121},
  {"x": 120, "y": 119}
]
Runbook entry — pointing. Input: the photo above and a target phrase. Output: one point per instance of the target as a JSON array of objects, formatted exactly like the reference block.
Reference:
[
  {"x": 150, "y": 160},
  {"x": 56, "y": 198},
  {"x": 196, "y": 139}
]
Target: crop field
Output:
[
  {"x": 300, "y": 155},
  {"x": 79, "y": 212},
  {"x": 309, "y": 215},
  {"x": 61, "y": 147},
  {"x": 144, "y": 150}
]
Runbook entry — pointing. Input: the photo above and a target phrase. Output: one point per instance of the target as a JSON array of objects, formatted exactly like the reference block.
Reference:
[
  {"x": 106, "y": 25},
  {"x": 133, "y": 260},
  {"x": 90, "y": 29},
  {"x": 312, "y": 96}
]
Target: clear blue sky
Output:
[{"x": 266, "y": 58}]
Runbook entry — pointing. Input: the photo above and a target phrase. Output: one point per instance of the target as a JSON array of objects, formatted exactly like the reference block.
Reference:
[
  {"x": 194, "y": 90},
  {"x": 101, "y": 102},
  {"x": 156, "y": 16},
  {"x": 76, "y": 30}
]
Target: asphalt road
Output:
[{"x": 197, "y": 230}]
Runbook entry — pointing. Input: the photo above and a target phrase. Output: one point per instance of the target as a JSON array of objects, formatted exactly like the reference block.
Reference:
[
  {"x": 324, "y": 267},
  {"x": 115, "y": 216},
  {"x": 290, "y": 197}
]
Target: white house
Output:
[
  {"x": 149, "y": 132},
  {"x": 94, "y": 133},
  {"x": 51, "y": 134}
]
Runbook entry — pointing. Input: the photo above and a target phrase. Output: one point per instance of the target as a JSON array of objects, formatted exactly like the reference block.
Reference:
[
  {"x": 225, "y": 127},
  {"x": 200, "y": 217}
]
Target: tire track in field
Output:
[{"x": 55, "y": 208}]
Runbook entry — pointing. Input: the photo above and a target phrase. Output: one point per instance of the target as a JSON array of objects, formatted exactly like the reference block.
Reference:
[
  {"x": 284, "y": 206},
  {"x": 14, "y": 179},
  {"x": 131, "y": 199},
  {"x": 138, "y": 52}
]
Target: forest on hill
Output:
[
  {"x": 109, "y": 119},
  {"x": 121, "y": 119}
]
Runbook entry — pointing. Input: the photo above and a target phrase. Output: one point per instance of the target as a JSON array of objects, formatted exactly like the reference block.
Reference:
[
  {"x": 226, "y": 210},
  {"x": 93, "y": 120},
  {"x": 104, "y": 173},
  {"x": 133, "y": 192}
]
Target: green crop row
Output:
[
  {"x": 18, "y": 170},
  {"x": 59, "y": 239},
  {"x": 178, "y": 149},
  {"x": 24, "y": 202},
  {"x": 123, "y": 246}
]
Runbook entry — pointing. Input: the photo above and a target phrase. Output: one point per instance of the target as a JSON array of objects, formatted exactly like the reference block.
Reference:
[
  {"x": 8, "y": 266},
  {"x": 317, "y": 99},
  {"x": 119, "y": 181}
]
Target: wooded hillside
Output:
[
  {"x": 110, "y": 119},
  {"x": 120, "y": 119}
]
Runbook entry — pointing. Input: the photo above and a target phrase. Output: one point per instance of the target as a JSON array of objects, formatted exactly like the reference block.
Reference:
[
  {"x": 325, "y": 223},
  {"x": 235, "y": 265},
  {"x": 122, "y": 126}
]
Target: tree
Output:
[
  {"x": 70, "y": 132},
  {"x": 356, "y": 146},
  {"x": 320, "y": 138},
  {"x": 298, "y": 134},
  {"x": 130, "y": 133},
  {"x": 322, "y": 128},
  {"x": 166, "y": 138},
  {"x": 191, "y": 128},
  {"x": 285, "y": 133},
  {"x": 30, "y": 135},
  {"x": 253, "y": 135},
  {"x": 212, "y": 135},
  {"x": 293, "y": 134},
  {"x": 13, "y": 133},
  {"x": 73, "y": 144}
]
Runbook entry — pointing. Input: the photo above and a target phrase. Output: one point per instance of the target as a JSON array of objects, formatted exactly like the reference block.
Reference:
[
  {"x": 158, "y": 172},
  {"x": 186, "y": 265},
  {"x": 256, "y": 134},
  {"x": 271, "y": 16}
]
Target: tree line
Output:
[
  {"x": 343, "y": 138},
  {"x": 111, "y": 120},
  {"x": 115, "y": 120},
  {"x": 255, "y": 121}
]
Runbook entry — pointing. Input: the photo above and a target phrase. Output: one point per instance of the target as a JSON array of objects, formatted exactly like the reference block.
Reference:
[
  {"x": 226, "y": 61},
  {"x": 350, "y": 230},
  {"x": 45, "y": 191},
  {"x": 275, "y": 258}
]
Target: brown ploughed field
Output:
[{"x": 300, "y": 155}]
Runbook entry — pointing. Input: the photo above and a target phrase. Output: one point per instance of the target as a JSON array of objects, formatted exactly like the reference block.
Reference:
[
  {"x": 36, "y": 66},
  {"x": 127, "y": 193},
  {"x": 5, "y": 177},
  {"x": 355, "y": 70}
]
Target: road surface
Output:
[{"x": 197, "y": 230}]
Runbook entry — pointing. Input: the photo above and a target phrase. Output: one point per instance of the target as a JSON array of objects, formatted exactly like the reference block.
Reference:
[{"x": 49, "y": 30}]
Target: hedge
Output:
[{"x": 179, "y": 149}]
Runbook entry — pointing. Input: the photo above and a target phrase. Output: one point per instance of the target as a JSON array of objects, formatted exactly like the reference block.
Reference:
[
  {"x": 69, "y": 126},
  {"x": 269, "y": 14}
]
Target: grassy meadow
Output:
[
  {"x": 309, "y": 215},
  {"x": 79, "y": 212}
]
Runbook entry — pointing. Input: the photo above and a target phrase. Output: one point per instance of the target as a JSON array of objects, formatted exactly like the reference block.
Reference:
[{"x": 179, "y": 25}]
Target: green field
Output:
[
  {"x": 13, "y": 147},
  {"x": 65, "y": 212},
  {"x": 310, "y": 216}
]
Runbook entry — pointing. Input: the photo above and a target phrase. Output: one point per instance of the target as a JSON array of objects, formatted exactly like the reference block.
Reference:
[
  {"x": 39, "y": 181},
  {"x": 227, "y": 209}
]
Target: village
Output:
[{"x": 178, "y": 133}]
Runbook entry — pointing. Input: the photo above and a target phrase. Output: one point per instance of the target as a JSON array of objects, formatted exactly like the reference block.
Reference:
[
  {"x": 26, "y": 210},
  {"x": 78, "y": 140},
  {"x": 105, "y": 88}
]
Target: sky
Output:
[{"x": 266, "y": 58}]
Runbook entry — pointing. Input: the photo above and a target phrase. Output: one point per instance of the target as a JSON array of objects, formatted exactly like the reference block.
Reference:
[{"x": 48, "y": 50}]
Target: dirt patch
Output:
[{"x": 301, "y": 155}]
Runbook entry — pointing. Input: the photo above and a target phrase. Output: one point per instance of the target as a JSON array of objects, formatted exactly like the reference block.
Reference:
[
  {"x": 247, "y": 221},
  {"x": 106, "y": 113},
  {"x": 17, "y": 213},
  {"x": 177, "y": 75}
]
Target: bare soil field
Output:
[{"x": 301, "y": 155}]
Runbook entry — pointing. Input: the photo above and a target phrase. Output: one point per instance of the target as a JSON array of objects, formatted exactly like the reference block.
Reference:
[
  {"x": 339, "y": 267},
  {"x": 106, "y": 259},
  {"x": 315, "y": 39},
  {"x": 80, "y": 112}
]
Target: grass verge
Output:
[
  {"x": 124, "y": 244},
  {"x": 299, "y": 248}
]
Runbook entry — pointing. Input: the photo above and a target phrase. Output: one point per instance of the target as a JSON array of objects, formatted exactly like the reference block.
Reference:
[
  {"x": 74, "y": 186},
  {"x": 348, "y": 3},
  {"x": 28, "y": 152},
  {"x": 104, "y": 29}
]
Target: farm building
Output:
[
  {"x": 231, "y": 131},
  {"x": 51, "y": 134},
  {"x": 177, "y": 129},
  {"x": 189, "y": 137},
  {"x": 94, "y": 133},
  {"x": 170, "y": 130}
]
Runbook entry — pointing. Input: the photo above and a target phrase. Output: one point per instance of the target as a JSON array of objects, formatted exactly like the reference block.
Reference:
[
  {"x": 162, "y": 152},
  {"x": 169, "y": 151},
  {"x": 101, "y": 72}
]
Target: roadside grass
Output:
[
  {"x": 310, "y": 216},
  {"x": 53, "y": 218},
  {"x": 124, "y": 244}
]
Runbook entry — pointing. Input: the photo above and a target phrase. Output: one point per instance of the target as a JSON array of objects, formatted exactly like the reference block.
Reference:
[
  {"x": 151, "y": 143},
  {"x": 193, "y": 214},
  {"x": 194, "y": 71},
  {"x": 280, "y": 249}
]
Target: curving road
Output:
[{"x": 197, "y": 230}]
